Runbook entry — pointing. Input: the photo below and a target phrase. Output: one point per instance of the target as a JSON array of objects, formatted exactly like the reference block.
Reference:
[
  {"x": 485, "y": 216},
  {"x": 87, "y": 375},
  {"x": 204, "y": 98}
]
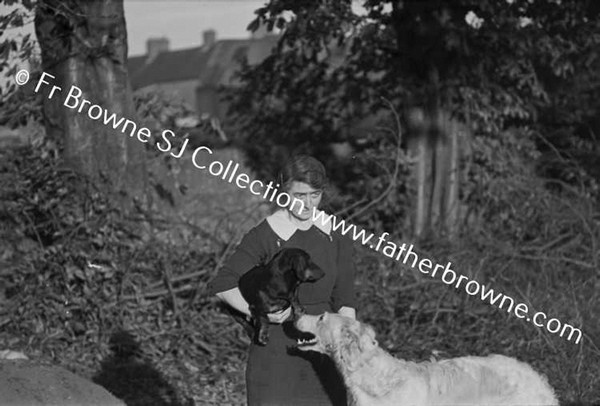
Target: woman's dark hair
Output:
[{"x": 306, "y": 169}]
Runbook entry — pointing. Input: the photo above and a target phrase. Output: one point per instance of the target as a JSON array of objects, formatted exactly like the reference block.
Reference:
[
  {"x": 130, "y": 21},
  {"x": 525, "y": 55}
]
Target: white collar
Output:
[{"x": 283, "y": 226}]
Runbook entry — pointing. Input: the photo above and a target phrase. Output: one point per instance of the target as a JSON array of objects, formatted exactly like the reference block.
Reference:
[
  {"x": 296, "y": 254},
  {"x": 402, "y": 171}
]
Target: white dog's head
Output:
[{"x": 344, "y": 339}]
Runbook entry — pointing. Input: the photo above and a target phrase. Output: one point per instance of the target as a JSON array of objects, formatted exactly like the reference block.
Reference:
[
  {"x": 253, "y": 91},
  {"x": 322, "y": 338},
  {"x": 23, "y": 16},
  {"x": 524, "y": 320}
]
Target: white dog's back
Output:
[{"x": 491, "y": 380}]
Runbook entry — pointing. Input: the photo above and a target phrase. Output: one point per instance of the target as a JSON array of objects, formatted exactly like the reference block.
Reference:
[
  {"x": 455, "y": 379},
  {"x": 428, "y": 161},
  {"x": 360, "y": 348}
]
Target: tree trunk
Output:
[
  {"x": 452, "y": 198},
  {"x": 439, "y": 165},
  {"x": 420, "y": 150},
  {"x": 84, "y": 44},
  {"x": 435, "y": 141}
]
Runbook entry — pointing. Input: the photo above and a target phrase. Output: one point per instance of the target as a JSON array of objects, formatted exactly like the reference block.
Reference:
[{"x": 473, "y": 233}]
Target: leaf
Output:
[
  {"x": 17, "y": 20},
  {"x": 254, "y": 25},
  {"x": 281, "y": 23},
  {"x": 28, "y": 4},
  {"x": 25, "y": 40},
  {"x": 4, "y": 50}
]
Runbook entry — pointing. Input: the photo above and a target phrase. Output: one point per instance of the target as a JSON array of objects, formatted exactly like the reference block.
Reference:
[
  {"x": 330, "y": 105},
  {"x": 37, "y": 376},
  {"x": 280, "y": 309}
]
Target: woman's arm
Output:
[
  {"x": 343, "y": 295},
  {"x": 249, "y": 253},
  {"x": 233, "y": 297}
]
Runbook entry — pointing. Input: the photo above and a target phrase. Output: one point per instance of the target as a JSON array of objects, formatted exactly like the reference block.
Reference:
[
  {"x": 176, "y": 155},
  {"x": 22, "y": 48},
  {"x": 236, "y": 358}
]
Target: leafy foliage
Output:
[
  {"x": 166, "y": 118},
  {"x": 505, "y": 69},
  {"x": 18, "y": 105},
  {"x": 18, "y": 14},
  {"x": 76, "y": 272}
]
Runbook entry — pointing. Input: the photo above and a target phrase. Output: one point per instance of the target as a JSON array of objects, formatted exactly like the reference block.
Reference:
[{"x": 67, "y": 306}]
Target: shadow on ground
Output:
[{"x": 135, "y": 381}]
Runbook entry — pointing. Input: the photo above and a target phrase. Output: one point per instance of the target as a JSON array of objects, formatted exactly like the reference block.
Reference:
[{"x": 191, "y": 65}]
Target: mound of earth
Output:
[{"x": 33, "y": 384}]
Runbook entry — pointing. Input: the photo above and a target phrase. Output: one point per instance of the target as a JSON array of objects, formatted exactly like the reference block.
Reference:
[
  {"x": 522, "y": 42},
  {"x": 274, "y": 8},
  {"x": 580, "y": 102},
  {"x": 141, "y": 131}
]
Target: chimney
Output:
[
  {"x": 209, "y": 37},
  {"x": 155, "y": 46}
]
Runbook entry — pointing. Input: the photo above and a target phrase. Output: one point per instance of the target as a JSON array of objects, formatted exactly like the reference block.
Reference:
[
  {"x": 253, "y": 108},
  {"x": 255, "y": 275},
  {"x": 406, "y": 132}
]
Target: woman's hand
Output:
[
  {"x": 280, "y": 316},
  {"x": 348, "y": 312}
]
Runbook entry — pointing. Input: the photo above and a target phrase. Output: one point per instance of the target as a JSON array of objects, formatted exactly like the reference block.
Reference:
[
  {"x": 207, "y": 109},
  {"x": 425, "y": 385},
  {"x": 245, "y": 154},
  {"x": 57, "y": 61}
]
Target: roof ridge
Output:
[{"x": 209, "y": 65}]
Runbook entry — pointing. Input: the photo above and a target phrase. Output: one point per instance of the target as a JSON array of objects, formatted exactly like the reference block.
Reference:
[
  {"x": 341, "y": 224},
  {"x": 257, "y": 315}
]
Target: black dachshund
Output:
[{"x": 273, "y": 287}]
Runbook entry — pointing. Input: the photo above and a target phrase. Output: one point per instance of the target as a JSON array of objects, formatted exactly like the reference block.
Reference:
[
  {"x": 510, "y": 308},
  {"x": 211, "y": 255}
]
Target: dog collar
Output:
[{"x": 283, "y": 226}]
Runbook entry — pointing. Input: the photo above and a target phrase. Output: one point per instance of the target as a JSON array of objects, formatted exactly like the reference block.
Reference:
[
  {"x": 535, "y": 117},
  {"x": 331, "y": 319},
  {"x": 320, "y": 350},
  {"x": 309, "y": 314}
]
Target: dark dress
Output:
[{"x": 274, "y": 375}]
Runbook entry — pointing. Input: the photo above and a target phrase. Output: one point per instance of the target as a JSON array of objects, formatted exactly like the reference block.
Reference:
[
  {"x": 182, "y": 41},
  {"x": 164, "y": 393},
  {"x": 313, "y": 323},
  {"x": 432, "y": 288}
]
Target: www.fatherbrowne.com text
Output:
[{"x": 447, "y": 275}]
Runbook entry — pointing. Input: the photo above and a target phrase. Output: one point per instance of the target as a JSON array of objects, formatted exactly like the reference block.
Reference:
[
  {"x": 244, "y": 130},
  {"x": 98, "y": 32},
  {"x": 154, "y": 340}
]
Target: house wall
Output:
[
  {"x": 184, "y": 90},
  {"x": 203, "y": 99},
  {"x": 200, "y": 93},
  {"x": 207, "y": 101}
]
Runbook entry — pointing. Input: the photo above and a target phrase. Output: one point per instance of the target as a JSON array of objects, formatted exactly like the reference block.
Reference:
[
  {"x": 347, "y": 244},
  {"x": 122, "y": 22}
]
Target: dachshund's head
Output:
[{"x": 299, "y": 262}]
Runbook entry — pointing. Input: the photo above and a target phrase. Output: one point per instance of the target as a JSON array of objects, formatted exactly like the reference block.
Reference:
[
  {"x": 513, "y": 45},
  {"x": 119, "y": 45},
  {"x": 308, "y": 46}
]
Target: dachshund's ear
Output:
[
  {"x": 356, "y": 340},
  {"x": 299, "y": 263},
  {"x": 285, "y": 260},
  {"x": 304, "y": 268}
]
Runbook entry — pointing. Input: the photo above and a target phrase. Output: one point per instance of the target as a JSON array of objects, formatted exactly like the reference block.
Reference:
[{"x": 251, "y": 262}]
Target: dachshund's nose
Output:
[{"x": 315, "y": 272}]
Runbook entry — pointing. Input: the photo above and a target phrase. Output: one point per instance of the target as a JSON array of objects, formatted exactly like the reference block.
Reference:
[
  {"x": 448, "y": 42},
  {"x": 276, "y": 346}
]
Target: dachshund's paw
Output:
[{"x": 263, "y": 337}]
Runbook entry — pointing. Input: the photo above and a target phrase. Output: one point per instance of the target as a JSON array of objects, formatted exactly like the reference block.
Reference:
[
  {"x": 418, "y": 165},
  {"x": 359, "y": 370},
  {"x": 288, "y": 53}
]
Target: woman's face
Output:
[{"x": 308, "y": 195}]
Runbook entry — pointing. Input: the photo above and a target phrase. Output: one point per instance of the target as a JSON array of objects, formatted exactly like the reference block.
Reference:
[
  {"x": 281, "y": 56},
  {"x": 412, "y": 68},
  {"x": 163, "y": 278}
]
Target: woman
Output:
[{"x": 274, "y": 375}]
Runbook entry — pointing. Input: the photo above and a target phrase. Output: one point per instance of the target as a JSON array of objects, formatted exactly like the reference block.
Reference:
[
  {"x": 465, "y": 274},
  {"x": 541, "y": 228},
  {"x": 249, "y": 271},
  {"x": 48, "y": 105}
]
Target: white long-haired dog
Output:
[{"x": 375, "y": 378}]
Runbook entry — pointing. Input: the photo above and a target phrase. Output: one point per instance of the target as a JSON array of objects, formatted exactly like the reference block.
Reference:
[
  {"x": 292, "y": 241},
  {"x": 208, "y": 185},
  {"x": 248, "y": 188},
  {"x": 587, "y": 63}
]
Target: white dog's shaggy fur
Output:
[{"x": 375, "y": 378}]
